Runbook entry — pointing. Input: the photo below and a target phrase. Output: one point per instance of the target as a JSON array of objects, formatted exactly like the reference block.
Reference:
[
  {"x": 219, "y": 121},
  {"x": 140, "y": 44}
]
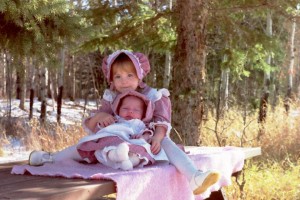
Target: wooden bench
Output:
[{"x": 46, "y": 188}]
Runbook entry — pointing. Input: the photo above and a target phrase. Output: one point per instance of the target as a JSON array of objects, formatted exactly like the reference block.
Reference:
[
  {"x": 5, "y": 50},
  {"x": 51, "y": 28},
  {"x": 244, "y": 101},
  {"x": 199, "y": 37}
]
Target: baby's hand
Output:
[{"x": 105, "y": 119}]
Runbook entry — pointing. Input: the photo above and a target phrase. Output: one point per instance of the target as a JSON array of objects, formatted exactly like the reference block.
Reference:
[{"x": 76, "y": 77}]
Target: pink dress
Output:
[{"x": 153, "y": 99}]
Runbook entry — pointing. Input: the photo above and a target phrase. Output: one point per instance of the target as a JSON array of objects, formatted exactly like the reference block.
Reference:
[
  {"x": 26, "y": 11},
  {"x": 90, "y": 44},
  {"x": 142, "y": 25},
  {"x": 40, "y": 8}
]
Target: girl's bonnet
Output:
[{"x": 139, "y": 60}]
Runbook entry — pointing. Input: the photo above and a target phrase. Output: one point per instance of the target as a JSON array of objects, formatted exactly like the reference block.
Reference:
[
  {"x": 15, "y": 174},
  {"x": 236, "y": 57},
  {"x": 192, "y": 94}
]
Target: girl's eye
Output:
[
  {"x": 130, "y": 75},
  {"x": 117, "y": 76}
]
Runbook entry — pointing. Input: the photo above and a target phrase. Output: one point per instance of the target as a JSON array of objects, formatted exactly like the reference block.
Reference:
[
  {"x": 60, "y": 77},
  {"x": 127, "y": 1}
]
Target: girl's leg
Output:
[
  {"x": 178, "y": 158},
  {"x": 67, "y": 153},
  {"x": 41, "y": 157},
  {"x": 199, "y": 181}
]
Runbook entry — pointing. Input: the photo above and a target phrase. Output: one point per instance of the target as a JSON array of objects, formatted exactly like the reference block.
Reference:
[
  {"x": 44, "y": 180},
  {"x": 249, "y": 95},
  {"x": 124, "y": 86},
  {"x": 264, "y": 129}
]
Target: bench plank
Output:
[{"x": 48, "y": 188}]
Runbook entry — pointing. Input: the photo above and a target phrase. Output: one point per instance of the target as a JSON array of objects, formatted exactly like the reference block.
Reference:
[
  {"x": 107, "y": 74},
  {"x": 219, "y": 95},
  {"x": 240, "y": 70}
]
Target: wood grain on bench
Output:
[{"x": 46, "y": 188}]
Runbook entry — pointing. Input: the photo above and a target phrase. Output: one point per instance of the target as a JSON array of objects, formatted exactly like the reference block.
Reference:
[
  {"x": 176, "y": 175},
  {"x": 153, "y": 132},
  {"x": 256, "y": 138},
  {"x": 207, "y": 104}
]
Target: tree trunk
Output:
[
  {"x": 21, "y": 84},
  {"x": 168, "y": 61},
  {"x": 189, "y": 70},
  {"x": 2, "y": 74},
  {"x": 9, "y": 81},
  {"x": 52, "y": 88},
  {"x": 167, "y": 73},
  {"x": 264, "y": 100},
  {"x": 291, "y": 68},
  {"x": 70, "y": 78},
  {"x": 223, "y": 93},
  {"x": 31, "y": 74},
  {"x": 43, "y": 89},
  {"x": 60, "y": 85}
]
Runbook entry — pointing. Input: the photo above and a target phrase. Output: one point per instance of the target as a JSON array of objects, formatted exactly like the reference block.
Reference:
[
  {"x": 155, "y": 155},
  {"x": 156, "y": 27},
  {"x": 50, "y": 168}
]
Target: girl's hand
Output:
[
  {"x": 159, "y": 134},
  {"x": 105, "y": 119},
  {"x": 155, "y": 145}
]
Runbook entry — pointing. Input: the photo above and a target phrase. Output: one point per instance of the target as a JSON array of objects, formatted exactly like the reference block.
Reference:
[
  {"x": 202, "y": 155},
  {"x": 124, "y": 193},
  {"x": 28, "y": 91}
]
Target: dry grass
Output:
[
  {"x": 279, "y": 137},
  {"x": 276, "y": 173},
  {"x": 34, "y": 136},
  {"x": 53, "y": 137}
]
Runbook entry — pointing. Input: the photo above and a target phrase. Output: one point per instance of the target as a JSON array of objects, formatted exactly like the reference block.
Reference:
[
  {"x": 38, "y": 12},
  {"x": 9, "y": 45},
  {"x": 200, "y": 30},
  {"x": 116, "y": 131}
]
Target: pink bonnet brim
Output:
[{"x": 139, "y": 60}]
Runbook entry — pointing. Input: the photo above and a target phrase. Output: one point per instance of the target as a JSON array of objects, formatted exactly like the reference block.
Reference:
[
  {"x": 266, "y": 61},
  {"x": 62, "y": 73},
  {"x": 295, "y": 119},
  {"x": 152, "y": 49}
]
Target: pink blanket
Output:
[{"x": 156, "y": 182}]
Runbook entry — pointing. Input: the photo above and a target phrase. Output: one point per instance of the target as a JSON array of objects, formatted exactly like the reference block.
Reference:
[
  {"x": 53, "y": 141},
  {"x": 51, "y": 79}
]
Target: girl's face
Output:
[
  {"x": 124, "y": 77},
  {"x": 132, "y": 108}
]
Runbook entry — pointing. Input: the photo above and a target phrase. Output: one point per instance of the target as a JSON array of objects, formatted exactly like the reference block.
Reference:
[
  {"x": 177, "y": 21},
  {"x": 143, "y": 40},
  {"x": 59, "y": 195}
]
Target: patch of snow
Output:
[{"x": 71, "y": 113}]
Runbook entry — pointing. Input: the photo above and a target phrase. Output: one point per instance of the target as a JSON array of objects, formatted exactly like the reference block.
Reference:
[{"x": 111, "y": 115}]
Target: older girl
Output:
[{"x": 125, "y": 70}]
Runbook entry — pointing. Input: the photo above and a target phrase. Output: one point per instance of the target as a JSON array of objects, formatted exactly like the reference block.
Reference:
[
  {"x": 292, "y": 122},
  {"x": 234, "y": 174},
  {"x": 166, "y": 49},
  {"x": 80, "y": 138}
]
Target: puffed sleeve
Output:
[
  {"x": 162, "y": 111},
  {"x": 162, "y": 114}
]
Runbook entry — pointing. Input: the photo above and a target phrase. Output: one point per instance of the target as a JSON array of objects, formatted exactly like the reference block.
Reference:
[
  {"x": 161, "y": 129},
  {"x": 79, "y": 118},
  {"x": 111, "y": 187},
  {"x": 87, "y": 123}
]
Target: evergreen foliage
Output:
[
  {"x": 131, "y": 25},
  {"x": 37, "y": 27}
]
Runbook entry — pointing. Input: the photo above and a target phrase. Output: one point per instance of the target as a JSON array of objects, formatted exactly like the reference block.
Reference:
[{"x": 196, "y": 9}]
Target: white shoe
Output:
[
  {"x": 203, "y": 180},
  {"x": 37, "y": 158}
]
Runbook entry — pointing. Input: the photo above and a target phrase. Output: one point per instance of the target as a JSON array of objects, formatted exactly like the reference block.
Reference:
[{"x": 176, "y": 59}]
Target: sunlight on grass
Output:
[{"x": 267, "y": 181}]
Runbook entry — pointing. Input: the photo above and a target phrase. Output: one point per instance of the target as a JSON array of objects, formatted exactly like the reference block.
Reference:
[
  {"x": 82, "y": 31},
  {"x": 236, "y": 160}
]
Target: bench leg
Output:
[{"x": 217, "y": 195}]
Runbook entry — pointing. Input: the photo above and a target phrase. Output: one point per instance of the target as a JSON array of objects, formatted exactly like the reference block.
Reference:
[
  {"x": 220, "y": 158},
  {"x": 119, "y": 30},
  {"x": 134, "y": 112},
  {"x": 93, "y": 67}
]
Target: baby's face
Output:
[{"x": 132, "y": 107}]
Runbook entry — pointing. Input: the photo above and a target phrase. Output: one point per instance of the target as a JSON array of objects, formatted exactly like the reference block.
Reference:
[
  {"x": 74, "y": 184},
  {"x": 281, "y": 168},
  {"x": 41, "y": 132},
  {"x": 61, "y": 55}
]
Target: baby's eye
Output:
[{"x": 117, "y": 76}]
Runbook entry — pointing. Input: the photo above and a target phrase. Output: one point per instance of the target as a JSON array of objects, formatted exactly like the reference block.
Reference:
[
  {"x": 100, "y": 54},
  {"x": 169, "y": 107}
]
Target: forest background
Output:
[{"x": 232, "y": 68}]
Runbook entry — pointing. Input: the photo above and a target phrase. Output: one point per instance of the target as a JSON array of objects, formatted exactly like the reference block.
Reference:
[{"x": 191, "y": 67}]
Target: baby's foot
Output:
[
  {"x": 203, "y": 180},
  {"x": 120, "y": 153},
  {"x": 134, "y": 159},
  {"x": 126, "y": 165}
]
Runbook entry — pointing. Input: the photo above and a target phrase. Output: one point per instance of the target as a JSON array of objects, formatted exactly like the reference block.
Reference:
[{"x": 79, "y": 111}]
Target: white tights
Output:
[
  {"x": 67, "y": 153},
  {"x": 178, "y": 158}
]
